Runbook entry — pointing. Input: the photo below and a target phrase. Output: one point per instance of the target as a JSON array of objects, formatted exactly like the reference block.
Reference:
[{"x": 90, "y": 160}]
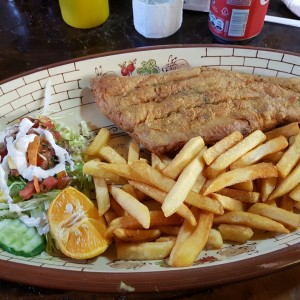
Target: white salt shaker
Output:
[{"x": 157, "y": 18}]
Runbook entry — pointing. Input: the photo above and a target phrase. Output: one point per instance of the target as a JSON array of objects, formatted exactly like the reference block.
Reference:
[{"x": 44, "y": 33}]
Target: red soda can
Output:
[{"x": 237, "y": 20}]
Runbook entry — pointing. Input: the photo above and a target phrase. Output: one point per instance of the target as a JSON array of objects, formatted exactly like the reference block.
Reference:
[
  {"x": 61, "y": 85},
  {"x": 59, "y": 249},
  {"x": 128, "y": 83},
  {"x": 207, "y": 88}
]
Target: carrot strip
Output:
[
  {"x": 32, "y": 153},
  {"x": 36, "y": 184}
]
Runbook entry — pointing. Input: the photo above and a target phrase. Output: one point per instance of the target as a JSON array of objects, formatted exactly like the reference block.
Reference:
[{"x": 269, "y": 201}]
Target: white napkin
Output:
[
  {"x": 157, "y": 18},
  {"x": 293, "y": 6}
]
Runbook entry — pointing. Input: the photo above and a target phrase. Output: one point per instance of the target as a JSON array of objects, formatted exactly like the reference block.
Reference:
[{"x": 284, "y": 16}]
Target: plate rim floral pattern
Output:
[{"x": 142, "y": 49}]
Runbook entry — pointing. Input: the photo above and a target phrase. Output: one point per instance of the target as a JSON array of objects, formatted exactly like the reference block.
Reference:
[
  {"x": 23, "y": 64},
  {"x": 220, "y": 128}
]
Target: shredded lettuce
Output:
[
  {"x": 74, "y": 141},
  {"x": 38, "y": 201},
  {"x": 32, "y": 212},
  {"x": 15, "y": 184},
  {"x": 82, "y": 182}
]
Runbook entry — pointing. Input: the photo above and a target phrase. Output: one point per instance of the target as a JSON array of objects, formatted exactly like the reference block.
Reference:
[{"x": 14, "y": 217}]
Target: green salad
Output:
[{"x": 38, "y": 158}]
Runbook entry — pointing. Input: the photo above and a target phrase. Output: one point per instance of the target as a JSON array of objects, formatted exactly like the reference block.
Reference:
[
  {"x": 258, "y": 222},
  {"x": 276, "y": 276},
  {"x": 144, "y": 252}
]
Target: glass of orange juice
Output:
[{"x": 84, "y": 13}]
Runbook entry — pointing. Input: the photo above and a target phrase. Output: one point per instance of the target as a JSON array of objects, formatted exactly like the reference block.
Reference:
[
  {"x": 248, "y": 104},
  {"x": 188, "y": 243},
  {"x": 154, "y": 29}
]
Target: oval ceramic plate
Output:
[{"x": 71, "y": 96}]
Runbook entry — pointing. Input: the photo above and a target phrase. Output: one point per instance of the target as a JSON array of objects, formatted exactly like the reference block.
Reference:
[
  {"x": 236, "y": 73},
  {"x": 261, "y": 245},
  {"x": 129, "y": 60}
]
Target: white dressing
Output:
[
  {"x": 30, "y": 221},
  {"x": 3, "y": 184},
  {"x": 18, "y": 155},
  {"x": 24, "y": 127},
  {"x": 15, "y": 208},
  {"x": 17, "y": 152}
]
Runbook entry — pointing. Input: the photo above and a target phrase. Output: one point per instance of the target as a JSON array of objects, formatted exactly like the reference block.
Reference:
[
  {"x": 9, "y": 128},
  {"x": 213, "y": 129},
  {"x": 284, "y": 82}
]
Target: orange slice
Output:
[{"x": 76, "y": 226}]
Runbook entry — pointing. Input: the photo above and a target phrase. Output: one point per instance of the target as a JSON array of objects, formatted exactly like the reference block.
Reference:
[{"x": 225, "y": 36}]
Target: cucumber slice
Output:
[{"x": 18, "y": 239}]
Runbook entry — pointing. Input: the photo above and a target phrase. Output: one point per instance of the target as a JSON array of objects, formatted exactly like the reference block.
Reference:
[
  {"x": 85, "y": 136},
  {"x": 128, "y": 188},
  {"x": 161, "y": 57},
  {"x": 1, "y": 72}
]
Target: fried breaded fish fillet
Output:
[{"x": 165, "y": 110}]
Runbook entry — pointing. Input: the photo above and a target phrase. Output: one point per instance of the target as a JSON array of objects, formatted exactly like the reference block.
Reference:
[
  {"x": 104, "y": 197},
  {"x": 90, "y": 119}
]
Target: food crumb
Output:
[{"x": 125, "y": 287}]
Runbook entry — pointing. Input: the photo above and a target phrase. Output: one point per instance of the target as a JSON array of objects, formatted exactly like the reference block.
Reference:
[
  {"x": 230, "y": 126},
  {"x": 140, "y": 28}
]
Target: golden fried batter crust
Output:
[{"x": 165, "y": 110}]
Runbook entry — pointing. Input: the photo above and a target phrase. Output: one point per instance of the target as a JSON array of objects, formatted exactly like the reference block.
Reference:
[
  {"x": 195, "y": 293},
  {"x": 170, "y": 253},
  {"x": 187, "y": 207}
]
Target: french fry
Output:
[
  {"x": 295, "y": 193},
  {"x": 288, "y": 219},
  {"x": 232, "y": 154},
  {"x": 184, "y": 156},
  {"x": 250, "y": 220},
  {"x": 297, "y": 205},
  {"x": 100, "y": 140},
  {"x": 168, "y": 230},
  {"x": 87, "y": 157},
  {"x": 274, "y": 158},
  {"x": 117, "y": 208},
  {"x": 198, "y": 185},
  {"x": 246, "y": 186},
  {"x": 235, "y": 233},
  {"x": 133, "y": 152},
  {"x": 292, "y": 139},
  {"x": 102, "y": 195},
  {"x": 160, "y": 196},
  {"x": 143, "y": 159},
  {"x": 109, "y": 154},
  {"x": 267, "y": 187},
  {"x": 122, "y": 170},
  {"x": 158, "y": 249},
  {"x": 229, "y": 203},
  {"x": 194, "y": 199},
  {"x": 96, "y": 168},
  {"x": 157, "y": 218},
  {"x": 128, "y": 188},
  {"x": 205, "y": 203},
  {"x": 127, "y": 222},
  {"x": 184, "y": 233},
  {"x": 287, "y": 131},
  {"x": 183, "y": 185},
  {"x": 159, "y": 162},
  {"x": 145, "y": 173},
  {"x": 205, "y": 185},
  {"x": 248, "y": 197},
  {"x": 221, "y": 146},
  {"x": 286, "y": 203},
  {"x": 136, "y": 235},
  {"x": 139, "y": 194},
  {"x": 252, "y": 172},
  {"x": 271, "y": 202},
  {"x": 109, "y": 216},
  {"x": 165, "y": 159},
  {"x": 214, "y": 241},
  {"x": 160, "y": 166},
  {"x": 289, "y": 159},
  {"x": 134, "y": 207},
  {"x": 191, "y": 241},
  {"x": 285, "y": 186},
  {"x": 185, "y": 196},
  {"x": 118, "y": 181},
  {"x": 155, "y": 160},
  {"x": 277, "y": 144}
]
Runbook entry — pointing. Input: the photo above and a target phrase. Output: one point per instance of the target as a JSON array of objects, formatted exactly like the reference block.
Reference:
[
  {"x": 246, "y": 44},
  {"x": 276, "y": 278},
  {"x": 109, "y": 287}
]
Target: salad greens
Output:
[{"x": 32, "y": 211}]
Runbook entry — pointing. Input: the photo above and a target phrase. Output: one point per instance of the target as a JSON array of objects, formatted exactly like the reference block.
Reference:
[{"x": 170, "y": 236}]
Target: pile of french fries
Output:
[{"x": 174, "y": 208}]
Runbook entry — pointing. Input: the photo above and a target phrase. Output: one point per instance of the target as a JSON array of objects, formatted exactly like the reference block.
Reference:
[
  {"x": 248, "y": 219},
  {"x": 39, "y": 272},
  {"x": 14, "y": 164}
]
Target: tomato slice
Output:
[{"x": 63, "y": 180}]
